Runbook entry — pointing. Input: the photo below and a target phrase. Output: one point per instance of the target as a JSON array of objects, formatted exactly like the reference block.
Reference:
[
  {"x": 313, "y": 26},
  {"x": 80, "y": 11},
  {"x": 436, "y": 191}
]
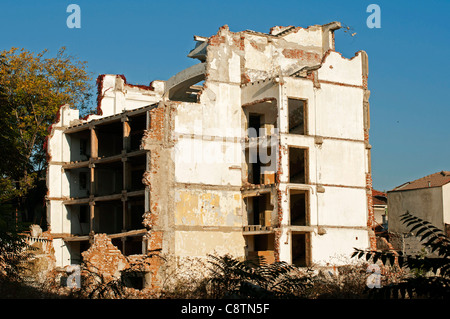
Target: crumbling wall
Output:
[
  {"x": 159, "y": 182},
  {"x": 104, "y": 258},
  {"x": 42, "y": 255},
  {"x": 115, "y": 95},
  {"x": 262, "y": 56}
]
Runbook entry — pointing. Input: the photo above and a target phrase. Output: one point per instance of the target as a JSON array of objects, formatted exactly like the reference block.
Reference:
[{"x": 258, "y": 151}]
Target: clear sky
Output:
[{"x": 409, "y": 62}]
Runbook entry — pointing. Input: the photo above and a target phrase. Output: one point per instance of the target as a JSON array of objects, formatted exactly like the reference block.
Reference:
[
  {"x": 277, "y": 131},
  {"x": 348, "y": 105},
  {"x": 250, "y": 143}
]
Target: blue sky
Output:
[{"x": 149, "y": 40}]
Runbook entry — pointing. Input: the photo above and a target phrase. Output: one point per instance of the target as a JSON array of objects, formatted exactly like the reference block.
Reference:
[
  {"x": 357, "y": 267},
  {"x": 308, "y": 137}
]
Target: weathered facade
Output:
[{"x": 260, "y": 149}]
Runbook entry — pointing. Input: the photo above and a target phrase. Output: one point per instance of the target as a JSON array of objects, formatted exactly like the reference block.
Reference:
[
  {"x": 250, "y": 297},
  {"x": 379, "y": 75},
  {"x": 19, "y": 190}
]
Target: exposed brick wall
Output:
[
  {"x": 239, "y": 42},
  {"x": 156, "y": 130},
  {"x": 282, "y": 151},
  {"x": 216, "y": 40},
  {"x": 371, "y": 214},
  {"x": 105, "y": 258},
  {"x": 155, "y": 139},
  {"x": 299, "y": 54}
]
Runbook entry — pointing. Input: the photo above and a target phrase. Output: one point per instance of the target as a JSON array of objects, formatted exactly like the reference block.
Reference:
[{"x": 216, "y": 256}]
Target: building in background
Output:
[
  {"x": 427, "y": 198},
  {"x": 260, "y": 149}
]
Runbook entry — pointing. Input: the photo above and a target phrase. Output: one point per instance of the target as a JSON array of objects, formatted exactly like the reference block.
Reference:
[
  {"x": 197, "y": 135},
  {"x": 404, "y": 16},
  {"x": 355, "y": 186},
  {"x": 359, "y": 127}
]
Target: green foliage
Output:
[
  {"x": 431, "y": 275},
  {"x": 32, "y": 88},
  {"x": 231, "y": 278}
]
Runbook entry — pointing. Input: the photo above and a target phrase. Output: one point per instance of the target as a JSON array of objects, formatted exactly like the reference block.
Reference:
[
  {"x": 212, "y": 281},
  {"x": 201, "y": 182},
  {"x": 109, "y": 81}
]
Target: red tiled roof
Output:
[
  {"x": 433, "y": 180},
  {"x": 378, "y": 193},
  {"x": 379, "y": 198}
]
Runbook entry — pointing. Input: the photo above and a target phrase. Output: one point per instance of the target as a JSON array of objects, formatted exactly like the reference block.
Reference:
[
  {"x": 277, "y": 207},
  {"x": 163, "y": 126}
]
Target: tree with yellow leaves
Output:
[{"x": 32, "y": 88}]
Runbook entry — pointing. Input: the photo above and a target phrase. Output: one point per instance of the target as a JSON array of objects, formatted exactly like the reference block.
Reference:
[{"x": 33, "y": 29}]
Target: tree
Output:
[
  {"x": 430, "y": 275},
  {"x": 32, "y": 88}
]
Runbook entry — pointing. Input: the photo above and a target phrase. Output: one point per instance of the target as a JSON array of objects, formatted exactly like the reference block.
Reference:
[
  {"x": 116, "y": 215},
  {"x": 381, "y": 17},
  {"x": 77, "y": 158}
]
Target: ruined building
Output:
[{"x": 260, "y": 149}]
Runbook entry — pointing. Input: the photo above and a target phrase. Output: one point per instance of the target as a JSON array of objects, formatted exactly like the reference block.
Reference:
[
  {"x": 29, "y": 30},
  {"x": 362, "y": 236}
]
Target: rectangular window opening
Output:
[
  {"x": 110, "y": 139},
  {"x": 108, "y": 217},
  {"x": 297, "y": 165},
  {"x": 298, "y": 202},
  {"x": 296, "y": 120},
  {"x": 299, "y": 250},
  {"x": 84, "y": 214},
  {"x": 134, "y": 279},
  {"x": 138, "y": 126},
  {"x": 261, "y": 248},
  {"x": 254, "y": 123},
  {"x": 260, "y": 210}
]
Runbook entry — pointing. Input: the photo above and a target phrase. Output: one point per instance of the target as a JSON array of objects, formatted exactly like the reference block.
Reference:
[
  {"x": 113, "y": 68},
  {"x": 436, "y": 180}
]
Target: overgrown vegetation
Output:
[
  {"x": 428, "y": 276},
  {"x": 218, "y": 277},
  {"x": 15, "y": 255},
  {"x": 14, "y": 252},
  {"x": 231, "y": 278}
]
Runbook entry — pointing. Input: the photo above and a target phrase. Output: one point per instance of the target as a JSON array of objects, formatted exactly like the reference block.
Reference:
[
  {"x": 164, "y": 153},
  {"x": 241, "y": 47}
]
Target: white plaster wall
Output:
[
  {"x": 259, "y": 90},
  {"x": 65, "y": 184},
  {"x": 339, "y": 112},
  {"x": 341, "y": 163},
  {"x": 65, "y": 219},
  {"x": 207, "y": 162},
  {"x": 54, "y": 178},
  {"x": 336, "y": 68},
  {"x": 336, "y": 112},
  {"x": 335, "y": 207},
  {"x": 66, "y": 148},
  {"x": 68, "y": 115},
  {"x": 332, "y": 110},
  {"x": 285, "y": 247},
  {"x": 205, "y": 207},
  {"x": 257, "y": 59},
  {"x": 54, "y": 214},
  {"x": 62, "y": 253},
  {"x": 307, "y": 37},
  {"x": 54, "y": 144},
  {"x": 118, "y": 96},
  {"x": 336, "y": 246},
  {"x": 219, "y": 114},
  {"x": 334, "y": 162},
  {"x": 302, "y": 89},
  {"x": 214, "y": 154},
  {"x": 202, "y": 243},
  {"x": 339, "y": 206}
]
